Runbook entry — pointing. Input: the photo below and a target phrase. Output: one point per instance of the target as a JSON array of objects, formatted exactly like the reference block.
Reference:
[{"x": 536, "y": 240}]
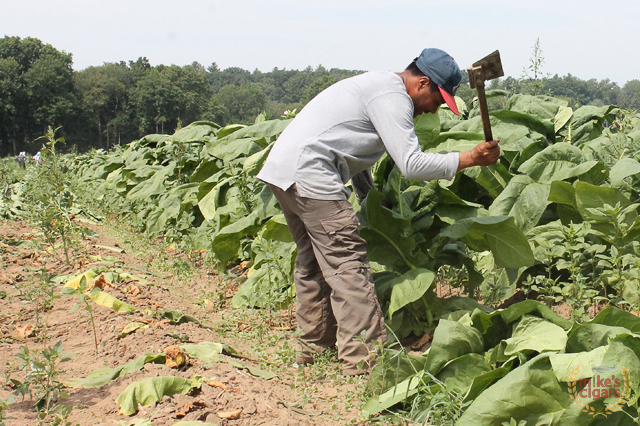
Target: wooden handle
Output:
[{"x": 484, "y": 110}]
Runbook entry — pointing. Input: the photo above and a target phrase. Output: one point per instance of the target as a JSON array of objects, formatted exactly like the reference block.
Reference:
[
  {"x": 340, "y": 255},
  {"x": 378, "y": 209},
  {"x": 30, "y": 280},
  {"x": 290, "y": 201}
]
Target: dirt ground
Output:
[{"x": 297, "y": 396}]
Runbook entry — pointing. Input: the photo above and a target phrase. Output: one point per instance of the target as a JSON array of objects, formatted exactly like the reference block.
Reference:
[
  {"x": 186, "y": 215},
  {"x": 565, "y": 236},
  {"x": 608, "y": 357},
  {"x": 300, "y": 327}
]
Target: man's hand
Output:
[{"x": 484, "y": 154}]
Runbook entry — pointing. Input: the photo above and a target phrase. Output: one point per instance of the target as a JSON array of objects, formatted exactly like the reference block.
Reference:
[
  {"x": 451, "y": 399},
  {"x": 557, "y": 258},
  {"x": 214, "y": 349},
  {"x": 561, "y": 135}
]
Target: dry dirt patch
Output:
[{"x": 230, "y": 395}]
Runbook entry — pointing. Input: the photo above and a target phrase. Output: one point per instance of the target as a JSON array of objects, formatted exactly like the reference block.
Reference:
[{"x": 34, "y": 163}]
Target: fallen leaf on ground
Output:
[
  {"x": 208, "y": 305},
  {"x": 134, "y": 290},
  {"x": 113, "y": 249},
  {"x": 184, "y": 410},
  {"x": 231, "y": 415},
  {"x": 217, "y": 384},
  {"x": 148, "y": 391},
  {"x": 100, "y": 282},
  {"x": 25, "y": 331},
  {"x": 130, "y": 328},
  {"x": 175, "y": 357}
]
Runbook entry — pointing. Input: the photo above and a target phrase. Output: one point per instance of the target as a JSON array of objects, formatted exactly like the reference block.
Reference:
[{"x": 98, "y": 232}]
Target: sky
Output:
[{"x": 585, "y": 38}]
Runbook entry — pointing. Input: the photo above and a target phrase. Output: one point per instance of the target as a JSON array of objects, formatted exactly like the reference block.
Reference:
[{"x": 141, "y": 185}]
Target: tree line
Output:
[{"x": 115, "y": 103}]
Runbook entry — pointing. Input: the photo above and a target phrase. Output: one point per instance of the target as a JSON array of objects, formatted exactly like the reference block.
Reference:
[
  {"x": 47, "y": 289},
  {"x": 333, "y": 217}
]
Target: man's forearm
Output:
[{"x": 484, "y": 154}]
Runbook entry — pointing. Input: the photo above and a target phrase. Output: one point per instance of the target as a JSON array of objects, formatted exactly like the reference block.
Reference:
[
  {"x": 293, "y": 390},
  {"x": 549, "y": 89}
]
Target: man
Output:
[
  {"x": 338, "y": 136},
  {"x": 22, "y": 159}
]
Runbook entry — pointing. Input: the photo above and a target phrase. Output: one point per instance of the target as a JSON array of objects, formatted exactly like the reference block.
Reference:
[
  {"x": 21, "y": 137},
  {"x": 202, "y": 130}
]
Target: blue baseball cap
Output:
[{"x": 440, "y": 67}]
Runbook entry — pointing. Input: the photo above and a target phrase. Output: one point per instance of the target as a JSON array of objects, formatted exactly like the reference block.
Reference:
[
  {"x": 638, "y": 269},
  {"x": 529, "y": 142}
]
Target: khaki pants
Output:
[{"x": 333, "y": 281}]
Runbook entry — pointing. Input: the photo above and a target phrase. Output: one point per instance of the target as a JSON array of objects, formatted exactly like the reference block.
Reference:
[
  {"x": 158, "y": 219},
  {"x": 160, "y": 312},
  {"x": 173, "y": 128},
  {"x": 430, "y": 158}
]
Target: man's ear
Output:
[{"x": 424, "y": 82}]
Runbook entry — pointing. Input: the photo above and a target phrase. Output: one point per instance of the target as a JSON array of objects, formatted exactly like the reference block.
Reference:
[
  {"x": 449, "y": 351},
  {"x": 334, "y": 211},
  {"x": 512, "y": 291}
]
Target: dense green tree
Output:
[
  {"x": 241, "y": 104},
  {"x": 38, "y": 84},
  {"x": 631, "y": 95},
  {"x": 104, "y": 99},
  {"x": 166, "y": 94}
]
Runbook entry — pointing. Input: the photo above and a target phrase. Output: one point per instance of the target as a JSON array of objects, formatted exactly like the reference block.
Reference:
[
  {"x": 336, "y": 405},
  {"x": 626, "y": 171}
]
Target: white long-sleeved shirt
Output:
[{"x": 343, "y": 131}]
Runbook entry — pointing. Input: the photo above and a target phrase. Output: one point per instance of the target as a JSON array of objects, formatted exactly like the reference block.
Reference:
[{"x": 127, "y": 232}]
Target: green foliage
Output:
[
  {"x": 51, "y": 198},
  {"x": 42, "y": 369},
  {"x": 522, "y": 376},
  {"x": 36, "y": 90},
  {"x": 102, "y": 376},
  {"x": 83, "y": 300},
  {"x": 558, "y": 214},
  {"x": 147, "y": 391}
]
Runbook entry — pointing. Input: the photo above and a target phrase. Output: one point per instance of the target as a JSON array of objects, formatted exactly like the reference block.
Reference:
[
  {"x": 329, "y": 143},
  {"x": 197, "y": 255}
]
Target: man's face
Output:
[{"x": 424, "y": 100}]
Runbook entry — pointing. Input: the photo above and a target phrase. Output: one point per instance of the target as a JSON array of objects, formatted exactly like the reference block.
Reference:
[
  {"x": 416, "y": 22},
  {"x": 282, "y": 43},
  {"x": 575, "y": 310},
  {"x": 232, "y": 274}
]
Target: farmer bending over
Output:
[{"x": 337, "y": 137}]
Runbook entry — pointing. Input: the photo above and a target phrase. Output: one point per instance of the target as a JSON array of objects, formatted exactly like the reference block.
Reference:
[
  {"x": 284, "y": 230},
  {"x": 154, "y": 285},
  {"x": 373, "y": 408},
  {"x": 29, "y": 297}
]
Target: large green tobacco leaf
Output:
[
  {"x": 591, "y": 196},
  {"x": 454, "y": 142},
  {"x": 102, "y": 376},
  {"x": 147, "y": 391},
  {"x": 493, "y": 178},
  {"x": 150, "y": 187},
  {"x": 557, "y": 162},
  {"x": 617, "y": 317},
  {"x": 393, "y": 367},
  {"x": 228, "y": 129},
  {"x": 484, "y": 380},
  {"x": 384, "y": 232},
  {"x": 563, "y": 364},
  {"x": 409, "y": 287},
  {"x": 393, "y": 396},
  {"x": 265, "y": 129},
  {"x": 564, "y": 195},
  {"x": 253, "y": 164},
  {"x": 194, "y": 132},
  {"x": 588, "y": 123},
  {"x": 530, "y": 393},
  {"x": 541, "y": 106},
  {"x": 427, "y": 128},
  {"x": 230, "y": 149},
  {"x": 562, "y": 118},
  {"x": 210, "y": 352},
  {"x": 460, "y": 373},
  {"x": 205, "y": 169},
  {"x": 171, "y": 205},
  {"x": 276, "y": 228},
  {"x": 536, "y": 334},
  {"x": 212, "y": 197},
  {"x": 588, "y": 336},
  {"x": 207, "y": 351},
  {"x": 451, "y": 340},
  {"x": 524, "y": 199},
  {"x": 519, "y": 310},
  {"x": 516, "y": 130},
  {"x": 500, "y": 234},
  {"x": 496, "y": 326},
  {"x": 622, "y": 169}
]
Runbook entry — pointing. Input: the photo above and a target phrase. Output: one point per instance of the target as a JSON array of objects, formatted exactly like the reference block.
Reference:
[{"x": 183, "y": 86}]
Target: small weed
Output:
[
  {"x": 42, "y": 379},
  {"x": 40, "y": 292},
  {"x": 84, "y": 302},
  {"x": 4, "y": 406}
]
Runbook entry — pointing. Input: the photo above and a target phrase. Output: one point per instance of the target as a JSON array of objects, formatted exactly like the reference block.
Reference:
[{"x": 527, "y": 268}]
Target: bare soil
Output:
[{"x": 297, "y": 396}]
